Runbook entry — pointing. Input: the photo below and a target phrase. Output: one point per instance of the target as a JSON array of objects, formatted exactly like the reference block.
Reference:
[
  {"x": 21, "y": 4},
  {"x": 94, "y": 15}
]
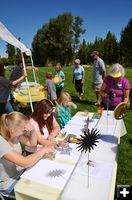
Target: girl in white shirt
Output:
[{"x": 15, "y": 129}]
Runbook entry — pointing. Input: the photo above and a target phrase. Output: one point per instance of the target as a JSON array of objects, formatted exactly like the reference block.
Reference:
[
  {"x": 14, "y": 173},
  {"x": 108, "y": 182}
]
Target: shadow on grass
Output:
[
  {"x": 130, "y": 141},
  {"x": 85, "y": 102}
]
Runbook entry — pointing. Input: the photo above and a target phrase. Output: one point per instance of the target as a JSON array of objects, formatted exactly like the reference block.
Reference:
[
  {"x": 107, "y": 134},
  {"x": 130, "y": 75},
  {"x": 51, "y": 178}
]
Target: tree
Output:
[
  {"x": 11, "y": 53},
  {"x": 77, "y": 31},
  {"x": 126, "y": 44},
  {"x": 110, "y": 48},
  {"x": 83, "y": 52},
  {"x": 99, "y": 46},
  {"x": 54, "y": 41},
  {"x": 18, "y": 53}
]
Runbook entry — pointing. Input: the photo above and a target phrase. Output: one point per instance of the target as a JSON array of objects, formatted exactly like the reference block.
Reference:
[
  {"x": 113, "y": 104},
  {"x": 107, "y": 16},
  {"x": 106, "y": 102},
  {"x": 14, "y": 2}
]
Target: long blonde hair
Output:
[
  {"x": 11, "y": 121},
  {"x": 64, "y": 96}
]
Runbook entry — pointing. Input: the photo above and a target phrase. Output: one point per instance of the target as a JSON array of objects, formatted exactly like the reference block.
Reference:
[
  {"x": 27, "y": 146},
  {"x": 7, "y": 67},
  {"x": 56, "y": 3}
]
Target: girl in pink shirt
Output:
[{"x": 45, "y": 125}]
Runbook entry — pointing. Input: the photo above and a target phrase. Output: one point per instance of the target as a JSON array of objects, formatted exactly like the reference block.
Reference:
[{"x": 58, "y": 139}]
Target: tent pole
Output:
[
  {"x": 33, "y": 69},
  {"x": 31, "y": 105}
]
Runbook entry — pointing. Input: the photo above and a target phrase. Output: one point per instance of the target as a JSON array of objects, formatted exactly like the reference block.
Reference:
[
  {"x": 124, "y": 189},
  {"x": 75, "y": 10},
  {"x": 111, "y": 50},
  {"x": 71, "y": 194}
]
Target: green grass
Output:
[{"x": 124, "y": 174}]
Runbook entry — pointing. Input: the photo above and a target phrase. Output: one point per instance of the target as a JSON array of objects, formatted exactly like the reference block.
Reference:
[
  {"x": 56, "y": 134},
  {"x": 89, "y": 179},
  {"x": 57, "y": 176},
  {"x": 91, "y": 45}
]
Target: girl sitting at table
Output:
[
  {"x": 45, "y": 125},
  {"x": 14, "y": 130},
  {"x": 64, "y": 107}
]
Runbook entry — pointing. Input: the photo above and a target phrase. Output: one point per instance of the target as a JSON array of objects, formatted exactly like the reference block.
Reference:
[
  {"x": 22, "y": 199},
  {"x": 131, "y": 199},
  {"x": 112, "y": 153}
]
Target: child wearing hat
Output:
[{"x": 115, "y": 88}]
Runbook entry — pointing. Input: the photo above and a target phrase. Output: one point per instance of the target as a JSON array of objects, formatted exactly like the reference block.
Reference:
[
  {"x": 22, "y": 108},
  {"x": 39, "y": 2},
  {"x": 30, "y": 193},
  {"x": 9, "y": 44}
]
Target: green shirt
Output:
[{"x": 64, "y": 114}]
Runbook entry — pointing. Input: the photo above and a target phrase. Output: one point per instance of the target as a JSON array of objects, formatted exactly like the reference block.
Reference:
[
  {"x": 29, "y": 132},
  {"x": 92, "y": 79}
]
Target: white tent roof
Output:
[{"x": 9, "y": 38}]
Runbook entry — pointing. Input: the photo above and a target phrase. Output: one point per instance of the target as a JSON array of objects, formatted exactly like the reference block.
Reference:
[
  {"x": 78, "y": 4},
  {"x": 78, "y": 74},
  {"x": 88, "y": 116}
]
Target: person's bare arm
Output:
[
  {"x": 29, "y": 137},
  {"x": 72, "y": 104},
  {"x": 83, "y": 77},
  {"x": 103, "y": 74},
  {"x": 126, "y": 95},
  {"x": 29, "y": 68},
  {"x": 103, "y": 90},
  {"x": 55, "y": 131},
  {"x": 27, "y": 161},
  {"x": 18, "y": 80}
]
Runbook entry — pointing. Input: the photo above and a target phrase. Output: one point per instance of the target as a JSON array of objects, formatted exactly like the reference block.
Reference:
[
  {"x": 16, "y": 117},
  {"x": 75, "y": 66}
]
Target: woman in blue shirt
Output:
[{"x": 78, "y": 77}]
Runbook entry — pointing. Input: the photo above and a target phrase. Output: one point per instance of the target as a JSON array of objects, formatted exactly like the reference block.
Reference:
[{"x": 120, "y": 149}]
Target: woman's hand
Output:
[
  {"x": 82, "y": 82},
  {"x": 28, "y": 127},
  {"x": 49, "y": 149},
  {"x": 62, "y": 144}
]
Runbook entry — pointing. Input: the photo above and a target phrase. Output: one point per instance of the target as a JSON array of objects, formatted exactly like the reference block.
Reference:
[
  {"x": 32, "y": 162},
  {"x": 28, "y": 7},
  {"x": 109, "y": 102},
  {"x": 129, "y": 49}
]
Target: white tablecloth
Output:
[{"x": 99, "y": 182}]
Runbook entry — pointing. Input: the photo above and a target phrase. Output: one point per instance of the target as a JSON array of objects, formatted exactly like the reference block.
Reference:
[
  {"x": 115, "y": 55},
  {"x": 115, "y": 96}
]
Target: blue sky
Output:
[{"x": 24, "y": 18}]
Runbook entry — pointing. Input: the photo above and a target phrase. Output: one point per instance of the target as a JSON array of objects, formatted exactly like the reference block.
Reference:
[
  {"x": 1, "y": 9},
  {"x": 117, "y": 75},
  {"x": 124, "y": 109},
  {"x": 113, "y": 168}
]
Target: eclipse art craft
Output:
[
  {"x": 120, "y": 110},
  {"x": 88, "y": 140}
]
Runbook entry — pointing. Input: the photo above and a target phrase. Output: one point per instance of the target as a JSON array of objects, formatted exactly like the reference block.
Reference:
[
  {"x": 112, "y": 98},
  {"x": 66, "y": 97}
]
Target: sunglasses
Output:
[{"x": 49, "y": 111}]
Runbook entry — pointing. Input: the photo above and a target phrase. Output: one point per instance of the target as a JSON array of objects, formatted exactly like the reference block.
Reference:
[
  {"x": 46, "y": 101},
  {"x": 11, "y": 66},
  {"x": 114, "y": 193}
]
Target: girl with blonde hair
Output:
[
  {"x": 64, "y": 107},
  {"x": 14, "y": 130}
]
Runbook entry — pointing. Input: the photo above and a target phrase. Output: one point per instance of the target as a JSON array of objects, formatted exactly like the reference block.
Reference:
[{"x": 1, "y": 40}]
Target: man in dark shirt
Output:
[{"x": 17, "y": 72}]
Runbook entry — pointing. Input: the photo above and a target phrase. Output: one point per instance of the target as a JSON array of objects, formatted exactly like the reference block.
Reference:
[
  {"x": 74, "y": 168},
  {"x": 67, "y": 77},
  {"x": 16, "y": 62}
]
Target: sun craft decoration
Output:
[{"x": 87, "y": 142}]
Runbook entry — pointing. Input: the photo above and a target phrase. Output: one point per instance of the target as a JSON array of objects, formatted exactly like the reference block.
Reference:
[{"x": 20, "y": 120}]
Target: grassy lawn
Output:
[{"x": 124, "y": 175}]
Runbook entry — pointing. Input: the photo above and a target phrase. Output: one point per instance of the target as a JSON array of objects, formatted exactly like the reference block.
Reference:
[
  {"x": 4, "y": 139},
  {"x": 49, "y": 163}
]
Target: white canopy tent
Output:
[{"x": 7, "y": 36}]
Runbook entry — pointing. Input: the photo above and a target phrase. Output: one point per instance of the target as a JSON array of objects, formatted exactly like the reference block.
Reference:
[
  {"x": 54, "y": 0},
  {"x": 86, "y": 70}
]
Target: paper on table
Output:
[
  {"x": 69, "y": 154},
  {"x": 100, "y": 169},
  {"x": 84, "y": 114},
  {"x": 49, "y": 173},
  {"x": 72, "y": 128},
  {"x": 77, "y": 121}
]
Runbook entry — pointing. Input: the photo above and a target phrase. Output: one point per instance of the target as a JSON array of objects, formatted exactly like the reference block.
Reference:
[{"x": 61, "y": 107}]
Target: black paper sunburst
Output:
[{"x": 88, "y": 140}]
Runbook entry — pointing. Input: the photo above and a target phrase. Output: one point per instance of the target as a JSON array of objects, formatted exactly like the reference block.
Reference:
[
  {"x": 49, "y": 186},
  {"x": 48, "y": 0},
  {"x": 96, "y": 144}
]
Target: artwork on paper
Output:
[
  {"x": 70, "y": 154},
  {"x": 56, "y": 173},
  {"x": 49, "y": 173},
  {"x": 64, "y": 151}
]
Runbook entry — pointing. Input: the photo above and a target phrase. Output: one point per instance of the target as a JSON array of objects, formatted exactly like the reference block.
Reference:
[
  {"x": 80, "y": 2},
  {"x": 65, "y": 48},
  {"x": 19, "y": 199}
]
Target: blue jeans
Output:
[{"x": 6, "y": 107}]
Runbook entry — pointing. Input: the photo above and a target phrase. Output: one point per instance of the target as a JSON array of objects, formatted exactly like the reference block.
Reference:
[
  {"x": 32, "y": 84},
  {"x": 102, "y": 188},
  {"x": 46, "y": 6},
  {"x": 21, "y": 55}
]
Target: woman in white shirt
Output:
[{"x": 15, "y": 129}]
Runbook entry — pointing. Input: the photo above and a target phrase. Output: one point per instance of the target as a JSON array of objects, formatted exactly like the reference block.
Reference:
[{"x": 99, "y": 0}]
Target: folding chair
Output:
[
  {"x": 4, "y": 196},
  {"x": 8, "y": 194}
]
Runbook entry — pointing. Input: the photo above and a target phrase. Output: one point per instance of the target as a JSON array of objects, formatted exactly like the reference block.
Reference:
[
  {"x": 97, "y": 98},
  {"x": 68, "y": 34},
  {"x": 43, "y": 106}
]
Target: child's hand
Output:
[{"x": 70, "y": 103}]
